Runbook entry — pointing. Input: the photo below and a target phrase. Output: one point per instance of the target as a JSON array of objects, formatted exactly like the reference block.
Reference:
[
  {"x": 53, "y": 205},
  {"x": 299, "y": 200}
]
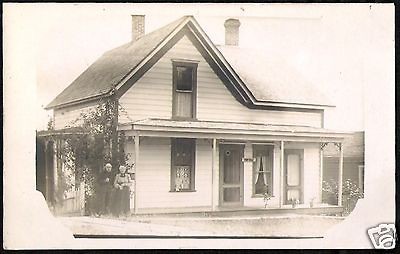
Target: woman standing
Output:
[
  {"x": 105, "y": 188},
  {"x": 122, "y": 194}
]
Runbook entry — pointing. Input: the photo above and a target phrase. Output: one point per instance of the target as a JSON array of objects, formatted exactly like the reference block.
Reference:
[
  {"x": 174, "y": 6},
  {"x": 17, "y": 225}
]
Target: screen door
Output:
[{"x": 231, "y": 175}]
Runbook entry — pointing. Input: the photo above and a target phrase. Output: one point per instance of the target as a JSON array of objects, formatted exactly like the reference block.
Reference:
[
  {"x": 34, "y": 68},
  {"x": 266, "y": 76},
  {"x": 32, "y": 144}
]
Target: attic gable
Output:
[
  {"x": 191, "y": 31},
  {"x": 118, "y": 69}
]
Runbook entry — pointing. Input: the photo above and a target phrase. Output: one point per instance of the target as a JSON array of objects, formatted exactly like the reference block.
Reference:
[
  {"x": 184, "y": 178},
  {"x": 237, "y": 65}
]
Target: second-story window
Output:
[{"x": 184, "y": 90}]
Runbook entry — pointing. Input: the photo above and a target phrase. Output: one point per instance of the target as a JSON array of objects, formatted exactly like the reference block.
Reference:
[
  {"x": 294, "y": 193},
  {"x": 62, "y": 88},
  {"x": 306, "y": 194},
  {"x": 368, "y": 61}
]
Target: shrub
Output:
[{"x": 350, "y": 194}]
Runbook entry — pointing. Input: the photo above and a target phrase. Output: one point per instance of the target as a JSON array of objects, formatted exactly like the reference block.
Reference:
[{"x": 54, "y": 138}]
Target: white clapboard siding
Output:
[
  {"x": 151, "y": 95},
  {"x": 65, "y": 116},
  {"x": 154, "y": 174}
]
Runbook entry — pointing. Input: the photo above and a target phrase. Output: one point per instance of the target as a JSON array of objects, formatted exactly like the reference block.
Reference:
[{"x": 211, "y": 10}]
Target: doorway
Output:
[
  {"x": 231, "y": 175},
  {"x": 293, "y": 176}
]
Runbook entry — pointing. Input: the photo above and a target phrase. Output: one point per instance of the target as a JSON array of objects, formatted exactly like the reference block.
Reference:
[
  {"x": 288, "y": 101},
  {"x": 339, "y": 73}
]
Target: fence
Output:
[{"x": 73, "y": 203}]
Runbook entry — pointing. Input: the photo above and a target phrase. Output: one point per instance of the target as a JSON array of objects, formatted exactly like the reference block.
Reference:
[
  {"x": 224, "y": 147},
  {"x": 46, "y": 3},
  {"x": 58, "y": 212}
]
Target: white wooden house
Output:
[{"x": 209, "y": 127}]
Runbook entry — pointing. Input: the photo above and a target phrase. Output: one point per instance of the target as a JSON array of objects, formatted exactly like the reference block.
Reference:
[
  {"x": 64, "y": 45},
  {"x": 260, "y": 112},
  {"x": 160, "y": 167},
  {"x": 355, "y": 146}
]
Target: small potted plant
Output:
[
  {"x": 294, "y": 202},
  {"x": 266, "y": 196}
]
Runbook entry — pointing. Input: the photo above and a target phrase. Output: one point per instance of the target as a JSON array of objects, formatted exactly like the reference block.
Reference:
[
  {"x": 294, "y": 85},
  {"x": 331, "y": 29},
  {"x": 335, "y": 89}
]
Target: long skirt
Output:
[
  {"x": 104, "y": 196},
  {"x": 121, "y": 201}
]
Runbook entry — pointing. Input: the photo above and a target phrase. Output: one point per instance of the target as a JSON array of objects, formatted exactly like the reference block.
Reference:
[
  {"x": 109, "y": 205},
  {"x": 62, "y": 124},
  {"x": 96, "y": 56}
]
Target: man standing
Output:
[{"x": 104, "y": 190}]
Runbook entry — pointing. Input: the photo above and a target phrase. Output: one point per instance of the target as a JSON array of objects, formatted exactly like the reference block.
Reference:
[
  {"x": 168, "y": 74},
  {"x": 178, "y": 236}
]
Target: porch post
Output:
[
  {"x": 340, "y": 178},
  {"x": 213, "y": 174},
  {"x": 321, "y": 169},
  {"x": 46, "y": 169},
  {"x": 55, "y": 163},
  {"x": 136, "y": 140},
  {"x": 281, "y": 173}
]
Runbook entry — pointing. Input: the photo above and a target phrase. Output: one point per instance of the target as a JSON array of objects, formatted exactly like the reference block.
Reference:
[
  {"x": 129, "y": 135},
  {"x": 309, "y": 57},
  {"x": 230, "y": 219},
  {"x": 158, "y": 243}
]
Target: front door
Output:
[
  {"x": 293, "y": 177},
  {"x": 231, "y": 175}
]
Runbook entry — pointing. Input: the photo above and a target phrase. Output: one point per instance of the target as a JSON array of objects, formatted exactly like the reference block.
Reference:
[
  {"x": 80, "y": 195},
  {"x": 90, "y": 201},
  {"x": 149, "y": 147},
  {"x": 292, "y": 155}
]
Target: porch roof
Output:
[
  {"x": 65, "y": 131},
  {"x": 234, "y": 130}
]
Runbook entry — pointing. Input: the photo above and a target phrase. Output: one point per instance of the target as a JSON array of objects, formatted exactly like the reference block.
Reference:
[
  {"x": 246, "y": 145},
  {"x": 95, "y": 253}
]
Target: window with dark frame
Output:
[
  {"x": 184, "y": 90},
  {"x": 182, "y": 164},
  {"x": 263, "y": 169}
]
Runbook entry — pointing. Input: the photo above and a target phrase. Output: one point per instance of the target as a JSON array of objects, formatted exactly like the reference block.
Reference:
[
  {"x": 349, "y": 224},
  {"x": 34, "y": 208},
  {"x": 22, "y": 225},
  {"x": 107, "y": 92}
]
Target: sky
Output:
[{"x": 328, "y": 44}]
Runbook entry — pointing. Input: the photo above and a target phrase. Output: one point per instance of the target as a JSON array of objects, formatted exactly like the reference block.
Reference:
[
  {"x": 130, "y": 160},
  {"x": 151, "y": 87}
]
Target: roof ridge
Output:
[
  {"x": 148, "y": 34},
  {"x": 174, "y": 24}
]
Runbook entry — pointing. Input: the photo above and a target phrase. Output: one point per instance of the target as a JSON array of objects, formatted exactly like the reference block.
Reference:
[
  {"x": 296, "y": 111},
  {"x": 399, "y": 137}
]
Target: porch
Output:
[
  {"x": 216, "y": 136},
  {"x": 49, "y": 170}
]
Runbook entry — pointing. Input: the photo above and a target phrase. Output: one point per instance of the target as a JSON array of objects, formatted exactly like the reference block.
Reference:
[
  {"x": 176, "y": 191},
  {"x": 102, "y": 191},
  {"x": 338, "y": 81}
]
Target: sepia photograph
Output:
[{"x": 199, "y": 126}]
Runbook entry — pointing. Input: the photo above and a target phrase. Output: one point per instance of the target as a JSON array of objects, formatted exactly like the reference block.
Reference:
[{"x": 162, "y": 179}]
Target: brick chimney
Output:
[
  {"x": 232, "y": 32},
  {"x": 137, "y": 27}
]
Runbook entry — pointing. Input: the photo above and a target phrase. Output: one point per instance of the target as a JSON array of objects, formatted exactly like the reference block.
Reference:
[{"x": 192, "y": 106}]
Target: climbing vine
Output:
[{"x": 96, "y": 142}]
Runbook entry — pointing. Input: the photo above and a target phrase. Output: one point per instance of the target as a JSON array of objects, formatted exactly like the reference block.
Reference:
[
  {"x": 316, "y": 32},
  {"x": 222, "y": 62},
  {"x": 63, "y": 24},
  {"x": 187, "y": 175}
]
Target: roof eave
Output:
[
  {"x": 293, "y": 105},
  {"x": 77, "y": 102}
]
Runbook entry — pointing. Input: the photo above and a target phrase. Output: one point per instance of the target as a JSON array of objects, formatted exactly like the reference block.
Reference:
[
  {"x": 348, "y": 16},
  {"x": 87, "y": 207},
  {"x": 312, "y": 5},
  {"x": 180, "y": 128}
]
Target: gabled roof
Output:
[
  {"x": 270, "y": 78},
  {"x": 107, "y": 71},
  {"x": 119, "y": 68}
]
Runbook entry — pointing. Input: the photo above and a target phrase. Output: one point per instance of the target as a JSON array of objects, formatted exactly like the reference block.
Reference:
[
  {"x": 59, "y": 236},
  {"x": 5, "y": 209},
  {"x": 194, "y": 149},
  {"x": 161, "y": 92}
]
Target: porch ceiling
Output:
[{"x": 221, "y": 130}]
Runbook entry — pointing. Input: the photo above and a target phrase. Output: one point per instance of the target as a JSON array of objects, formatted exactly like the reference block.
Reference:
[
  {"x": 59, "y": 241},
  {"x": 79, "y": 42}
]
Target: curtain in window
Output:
[
  {"x": 258, "y": 164},
  {"x": 293, "y": 170},
  {"x": 182, "y": 179},
  {"x": 261, "y": 174},
  {"x": 264, "y": 164},
  {"x": 183, "y": 104}
]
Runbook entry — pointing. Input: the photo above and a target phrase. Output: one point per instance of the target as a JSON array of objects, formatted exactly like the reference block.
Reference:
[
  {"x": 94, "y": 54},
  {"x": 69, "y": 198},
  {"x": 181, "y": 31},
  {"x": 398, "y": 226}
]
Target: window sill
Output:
[
  {"x": 259, "y": 196},
  {"x": 181, "y": 118},
  {"x": 182, "y": 191},
  {"x": 183, "y": 91}
]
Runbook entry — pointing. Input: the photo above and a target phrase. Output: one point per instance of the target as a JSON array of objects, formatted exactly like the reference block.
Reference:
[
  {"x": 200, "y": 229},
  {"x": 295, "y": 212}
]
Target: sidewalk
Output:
[{"x": 238, "y": 226}]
